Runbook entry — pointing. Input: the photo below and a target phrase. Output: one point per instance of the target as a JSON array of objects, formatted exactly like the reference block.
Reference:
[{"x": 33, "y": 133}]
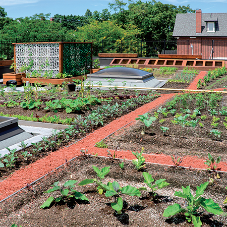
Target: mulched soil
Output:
[
  {"x": 18, "y": 209},
  {"x": 24, "y": 209}
]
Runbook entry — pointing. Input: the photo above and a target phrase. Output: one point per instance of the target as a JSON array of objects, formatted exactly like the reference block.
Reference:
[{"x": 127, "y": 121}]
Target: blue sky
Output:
[{"x": 23, "y": 8}]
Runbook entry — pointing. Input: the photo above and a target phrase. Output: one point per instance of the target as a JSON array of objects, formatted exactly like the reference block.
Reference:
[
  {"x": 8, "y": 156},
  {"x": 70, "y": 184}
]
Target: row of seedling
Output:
[
  {"x": 81, "y": 125},
  {"x": 191, "y": 210},
  {"x": 211, "y": 75}
]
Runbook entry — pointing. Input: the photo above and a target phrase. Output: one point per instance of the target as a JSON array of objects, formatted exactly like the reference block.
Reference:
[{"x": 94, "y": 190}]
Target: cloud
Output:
[{"x": 16, "y": 2}]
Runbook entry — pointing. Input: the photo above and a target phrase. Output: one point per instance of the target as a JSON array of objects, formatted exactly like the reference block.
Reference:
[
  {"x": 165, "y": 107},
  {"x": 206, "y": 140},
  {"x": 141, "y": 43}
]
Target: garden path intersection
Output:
[{"x": 34, "y": 171}]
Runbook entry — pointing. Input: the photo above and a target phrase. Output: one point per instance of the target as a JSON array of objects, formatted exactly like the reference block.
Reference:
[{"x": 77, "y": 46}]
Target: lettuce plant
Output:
[
  {"x": 66, "y": 191},
  {"x": 193, "y": 203}
]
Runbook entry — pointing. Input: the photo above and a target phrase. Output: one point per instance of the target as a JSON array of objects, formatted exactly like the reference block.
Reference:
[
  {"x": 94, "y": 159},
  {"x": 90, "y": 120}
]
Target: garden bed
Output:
[
  {"x": 24, "y": 208},
  {"x": 140, "y": 210},
  {"x": 82, "y": 122},
  {"x": 186, "y": 133}
]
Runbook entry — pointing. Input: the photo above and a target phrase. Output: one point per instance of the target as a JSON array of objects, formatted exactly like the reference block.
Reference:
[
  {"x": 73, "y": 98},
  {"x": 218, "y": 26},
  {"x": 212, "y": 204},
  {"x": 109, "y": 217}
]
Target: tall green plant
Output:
[{"x": 193, "y": 203}]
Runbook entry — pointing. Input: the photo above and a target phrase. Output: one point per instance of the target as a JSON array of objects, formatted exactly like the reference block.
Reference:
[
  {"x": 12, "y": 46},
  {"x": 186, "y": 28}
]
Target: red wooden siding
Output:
[{"x": 203, "y": 46}]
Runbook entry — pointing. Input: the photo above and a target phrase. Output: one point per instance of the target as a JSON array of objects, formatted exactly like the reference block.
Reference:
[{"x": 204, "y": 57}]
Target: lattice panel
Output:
[
  {"x": 42, "y": 57},
  {"x": 77, "y": 58}
]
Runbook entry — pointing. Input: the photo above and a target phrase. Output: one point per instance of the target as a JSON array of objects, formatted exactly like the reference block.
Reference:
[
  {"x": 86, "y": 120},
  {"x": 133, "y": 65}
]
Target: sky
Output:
[{"x": 23, "y": 8}]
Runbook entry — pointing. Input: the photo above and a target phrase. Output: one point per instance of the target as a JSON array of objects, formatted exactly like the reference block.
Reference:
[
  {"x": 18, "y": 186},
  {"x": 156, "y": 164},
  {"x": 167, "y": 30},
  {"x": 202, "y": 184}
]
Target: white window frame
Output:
[{"x": 209, "y": 23}]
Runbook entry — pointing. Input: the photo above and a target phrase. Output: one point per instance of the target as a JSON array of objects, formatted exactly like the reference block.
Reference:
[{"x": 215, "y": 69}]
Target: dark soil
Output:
[
  {"x": 23, "y": 208},
  {"x": 178, "y": 140},
  {"x": 43, "y": 151}
]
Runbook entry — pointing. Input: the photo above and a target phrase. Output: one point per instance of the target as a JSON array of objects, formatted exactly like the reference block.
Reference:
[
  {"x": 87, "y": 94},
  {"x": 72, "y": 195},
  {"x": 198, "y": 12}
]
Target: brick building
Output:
[{"x": 202, "y": 34}]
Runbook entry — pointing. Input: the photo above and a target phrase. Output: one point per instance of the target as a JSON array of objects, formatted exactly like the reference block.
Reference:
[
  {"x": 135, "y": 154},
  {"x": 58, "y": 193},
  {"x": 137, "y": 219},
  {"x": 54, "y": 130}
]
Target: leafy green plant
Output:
[
  {"x": 176, "y": 160},
  {"x": 163, "y": 111},
  {"x": 164, "y": 129},
  {"x": 96, "y": 64},
  {"x": 193, "y": 204},
  {"x": 122, "y": 165},
  {"x": 11, "y": 158},
  {"x": 139, "y": 162},
  {"x": 31, "y": 104},
  {"x": 216, "y": 133},
  {"x": 101, "y": 173},
  {"x": 213, "y": 112},
  {"x": 101, "y": 144},
  {"x": 211, "y": 162},
  {"x": 152, "y": 184},
  {"x": 146, "y": 120},
  {"x": 114, "y": 189},
  {"x": 66, "y": 191},
  {"x": 162, "y": 121},
  {"x": 203, "y": 117}
]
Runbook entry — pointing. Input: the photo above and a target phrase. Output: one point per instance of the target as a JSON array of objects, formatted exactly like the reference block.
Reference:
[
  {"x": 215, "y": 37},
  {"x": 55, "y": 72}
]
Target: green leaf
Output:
[
  {"x": 101, "y": 173},
  {"x": 110, "y": 193},
  {"x": 200, "y": 189},
  {"x": 218, "y": 159},
  {"x": 53, "y": 189},
  {"x": 172, "y": 210},
  {"x": 48, "y": 202},
  {"x": 225, "y": 201},
  {"x": 116, "y": 186},
  {"x": 196, "y": 221},
  {"x": 86, "y": 181},
  {"x": 180, "y": 194},
  {"x": 80, "y": 196},
  {"x": 186, "y": 190},
  {"x": 210, "y": 206},
  {"x": 1, "y": 165},
  {"x": 69, "y": 183},
  {"x": 118, "y": 205},
  {"x": 58, "y": 199},
  {"x": 129, "y": 190},
  {"x": 65, "y": 192},
  {"x": 161, "y": 183},
  {"x": 147, "y": 178}
]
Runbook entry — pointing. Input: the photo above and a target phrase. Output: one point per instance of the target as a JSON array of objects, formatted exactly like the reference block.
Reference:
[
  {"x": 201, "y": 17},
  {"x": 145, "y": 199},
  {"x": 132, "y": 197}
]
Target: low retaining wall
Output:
[{"x": 179, "y": 63}]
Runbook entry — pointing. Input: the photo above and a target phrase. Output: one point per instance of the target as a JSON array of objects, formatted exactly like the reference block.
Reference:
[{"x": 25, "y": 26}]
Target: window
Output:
[{"x": 211, "y": 26}]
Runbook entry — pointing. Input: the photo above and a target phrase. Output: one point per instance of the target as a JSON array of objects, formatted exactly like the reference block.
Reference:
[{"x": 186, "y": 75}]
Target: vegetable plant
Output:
[
  {"x": 146, "y": 120},
  {"x": 114, "y": 189},
  {"x": 193, "y": 203},
  {"x": 176, "y": 160},
  {"x": 66, "y": 191},
  {"x": 152, "y": 184},
  {"x": 164, "y": 129},
  {"x": 101, "y": 173},
  {"x": 211, "y": 162},
  {"x": 122, "y": 165},
  {"x": 139, "y": 162},
  {"x": 216, "y": 133},
  {"x": 10, "y": 159}
]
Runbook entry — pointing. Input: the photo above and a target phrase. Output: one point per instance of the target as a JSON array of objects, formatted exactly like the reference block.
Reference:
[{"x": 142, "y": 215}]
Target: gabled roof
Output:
[{"x": 185, "y": 25}]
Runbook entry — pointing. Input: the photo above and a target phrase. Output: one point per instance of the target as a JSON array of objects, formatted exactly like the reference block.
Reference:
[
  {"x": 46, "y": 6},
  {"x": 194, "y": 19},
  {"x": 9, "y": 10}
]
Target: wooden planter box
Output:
[
  {"x": 13, "y": 76},
  {"x": 6, "y": 62},
  {"x": 45, "y": 81},
  {"x": 95, "y": 70}
]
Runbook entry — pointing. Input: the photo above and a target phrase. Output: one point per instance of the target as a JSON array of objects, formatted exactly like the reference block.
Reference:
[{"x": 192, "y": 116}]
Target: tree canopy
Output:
[{"x": 128, "y": 24}]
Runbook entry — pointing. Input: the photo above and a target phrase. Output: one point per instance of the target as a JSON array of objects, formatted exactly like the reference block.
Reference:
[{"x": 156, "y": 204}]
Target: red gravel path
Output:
[{"x": 32, "y": 172}]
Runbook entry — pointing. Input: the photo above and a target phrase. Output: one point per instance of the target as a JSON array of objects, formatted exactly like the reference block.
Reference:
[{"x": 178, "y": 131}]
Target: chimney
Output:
[{"x": 198, "y": 21}]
